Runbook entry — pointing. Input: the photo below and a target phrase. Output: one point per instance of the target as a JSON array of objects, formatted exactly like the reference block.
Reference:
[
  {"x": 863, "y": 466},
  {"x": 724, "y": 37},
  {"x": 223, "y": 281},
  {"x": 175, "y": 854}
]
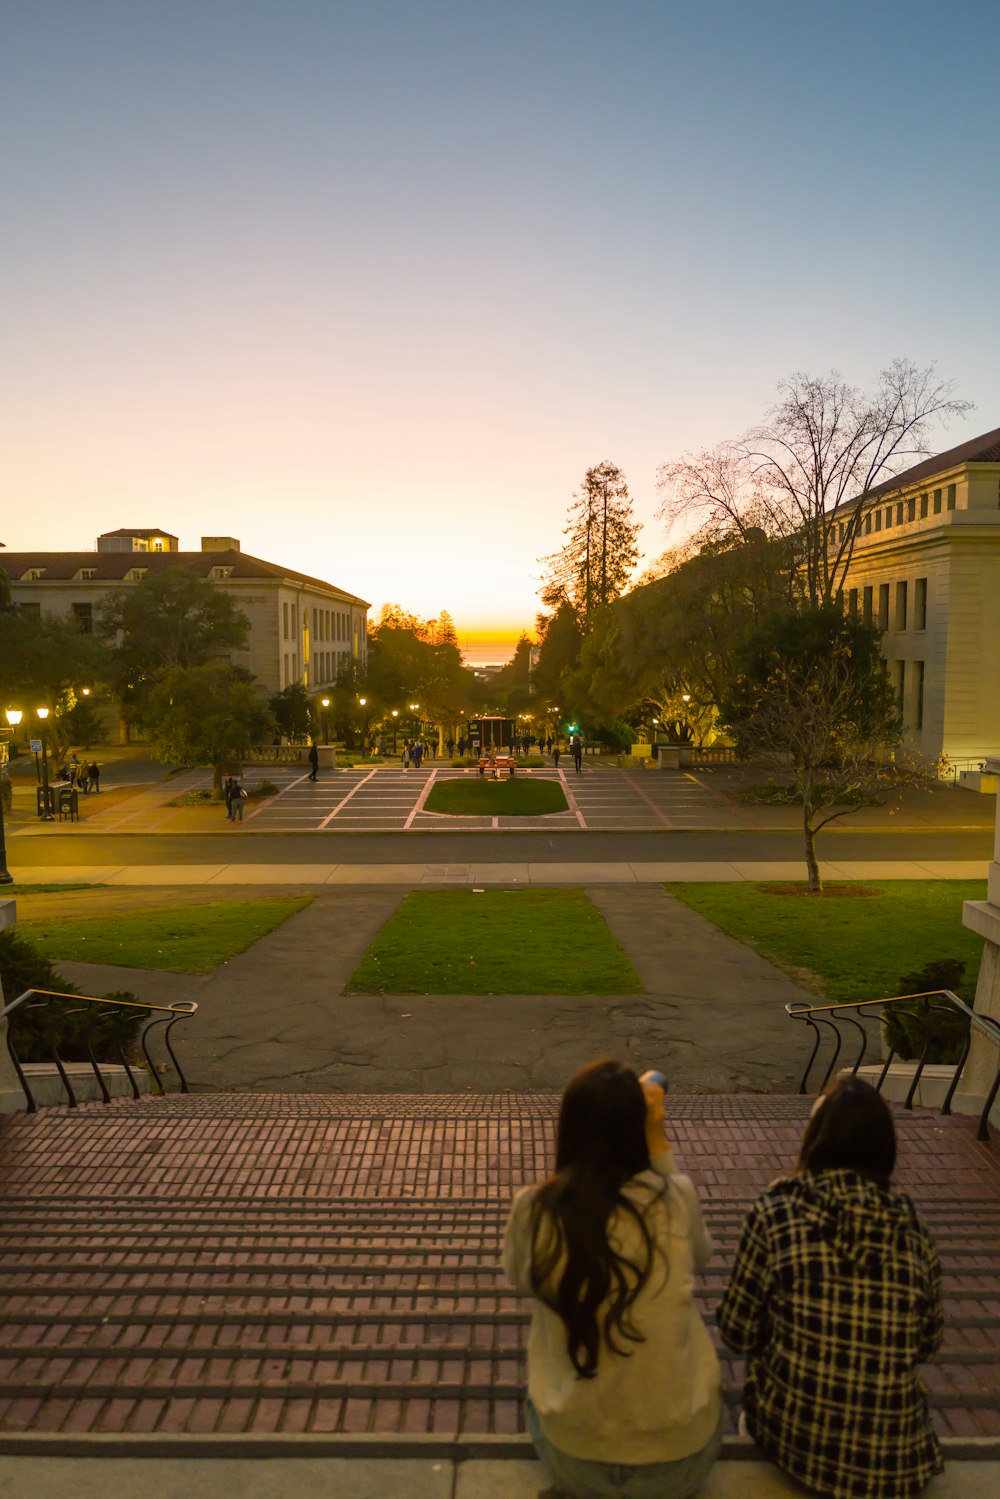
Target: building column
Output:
[{"x": 983, "y": 916}]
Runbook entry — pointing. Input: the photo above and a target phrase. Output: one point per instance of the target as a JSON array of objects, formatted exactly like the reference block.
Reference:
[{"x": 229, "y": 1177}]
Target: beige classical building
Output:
[
  {"x": 926, "y": 567},
  {"x": 301, "y": 629}
]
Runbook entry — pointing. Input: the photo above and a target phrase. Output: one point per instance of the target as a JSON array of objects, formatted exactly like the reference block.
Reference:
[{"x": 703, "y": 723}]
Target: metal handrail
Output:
[
  {"x": 165, "y": 1015},
  {"x": 828, "y": 1015}
]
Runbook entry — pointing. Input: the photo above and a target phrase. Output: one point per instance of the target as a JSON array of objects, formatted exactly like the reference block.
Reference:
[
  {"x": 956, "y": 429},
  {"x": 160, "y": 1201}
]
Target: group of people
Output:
[
  {"x": 833, "y": 1301},
  {"x": 415, "y": 751},
  {"x": 78, "y": 773}
]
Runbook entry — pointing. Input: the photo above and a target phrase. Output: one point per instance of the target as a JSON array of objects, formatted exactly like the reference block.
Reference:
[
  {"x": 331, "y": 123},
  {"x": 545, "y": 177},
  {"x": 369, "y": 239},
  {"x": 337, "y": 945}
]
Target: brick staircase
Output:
[{"x": 218, "y": 1268}]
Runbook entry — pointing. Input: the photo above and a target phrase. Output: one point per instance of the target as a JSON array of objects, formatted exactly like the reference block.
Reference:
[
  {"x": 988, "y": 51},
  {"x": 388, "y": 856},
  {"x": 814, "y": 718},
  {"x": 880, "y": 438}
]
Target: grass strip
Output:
[
  {"x": 180, "y": 939},
  {"x": 848, "y": 946},
  {"x": 495, "y": 942},
  {"x": 481, "y": 796}
]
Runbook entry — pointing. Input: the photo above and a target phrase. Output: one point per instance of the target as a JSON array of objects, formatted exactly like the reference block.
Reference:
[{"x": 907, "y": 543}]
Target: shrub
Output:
[
  {"x": 33, "y": 1028},
  {"x": 932, "y": 1021}
]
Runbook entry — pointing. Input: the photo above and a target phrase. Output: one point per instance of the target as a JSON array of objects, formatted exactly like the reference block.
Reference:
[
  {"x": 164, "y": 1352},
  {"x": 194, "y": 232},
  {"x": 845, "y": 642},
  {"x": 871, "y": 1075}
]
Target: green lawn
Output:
[
  {"x": 849, "y": 947},
  {"x": 182, "y": 939},
  {"x": 496, "y": 942},
  {"x": 481, "y": 796}
]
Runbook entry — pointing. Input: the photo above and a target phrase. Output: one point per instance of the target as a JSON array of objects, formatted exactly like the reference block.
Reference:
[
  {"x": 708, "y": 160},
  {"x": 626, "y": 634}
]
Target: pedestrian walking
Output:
[
  {"x": 451, "y": 749},
  {"x": 417, "y": 753},
  {"x": 227, "y": 796},
  {"x": 94, "y": 776},
  {"x": 555, "y": 757},
  {"x": 577, "y": 748},
  {"x": 406, "y": 754},
  {"x": 313, "y": 762}
]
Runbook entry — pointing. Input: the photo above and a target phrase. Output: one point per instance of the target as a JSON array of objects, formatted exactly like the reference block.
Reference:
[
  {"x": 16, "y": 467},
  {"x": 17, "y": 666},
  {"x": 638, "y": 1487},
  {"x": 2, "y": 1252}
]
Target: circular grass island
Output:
[{"x": 484, "y": 797}]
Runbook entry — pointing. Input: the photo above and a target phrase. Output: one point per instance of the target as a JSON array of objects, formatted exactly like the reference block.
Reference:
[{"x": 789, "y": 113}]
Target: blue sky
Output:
[{"x": 370, "y": 286}]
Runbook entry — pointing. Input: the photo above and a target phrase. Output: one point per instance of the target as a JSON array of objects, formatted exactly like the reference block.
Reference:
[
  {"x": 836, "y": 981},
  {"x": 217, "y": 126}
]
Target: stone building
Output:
[
  {"x": 926, "y": 567},
  {"x": 301, "y": 629}
]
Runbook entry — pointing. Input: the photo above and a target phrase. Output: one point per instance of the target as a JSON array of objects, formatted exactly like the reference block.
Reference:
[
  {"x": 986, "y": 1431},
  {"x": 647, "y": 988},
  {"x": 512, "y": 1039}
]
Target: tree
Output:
[
  {"x": 601, "y": 550},
  {"x": 810, "y": 695},
  {"x": 804, "y": 472},
  {"x": 207, "y": 715},
  {"x": 293, "y": 711},
  {"x": 415, "y": 661},
  {"x": 166, "y": 620},
  {"x": 665, "y": 649},
  {"x": 558, "y": 655},
  {"x": 44, "y": 660}
]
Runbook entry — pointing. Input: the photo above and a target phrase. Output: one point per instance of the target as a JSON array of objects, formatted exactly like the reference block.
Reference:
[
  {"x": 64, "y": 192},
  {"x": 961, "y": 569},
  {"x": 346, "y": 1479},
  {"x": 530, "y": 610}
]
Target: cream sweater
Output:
[{"x": 662, "y": 1402}]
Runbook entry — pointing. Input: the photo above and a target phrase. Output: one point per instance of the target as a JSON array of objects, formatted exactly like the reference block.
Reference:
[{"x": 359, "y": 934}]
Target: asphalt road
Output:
[{"x": 684, "y": 846}]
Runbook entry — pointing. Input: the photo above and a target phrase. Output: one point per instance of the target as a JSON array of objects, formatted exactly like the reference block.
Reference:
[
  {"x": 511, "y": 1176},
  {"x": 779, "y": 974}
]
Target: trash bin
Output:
[
  {"x": 40, "y": 800},
  {"x": 69, "y": 804}
]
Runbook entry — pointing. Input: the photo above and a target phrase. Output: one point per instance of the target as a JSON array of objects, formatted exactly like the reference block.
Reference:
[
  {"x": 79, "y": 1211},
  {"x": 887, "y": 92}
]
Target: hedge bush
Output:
[{"x": 33, "y": 1028}]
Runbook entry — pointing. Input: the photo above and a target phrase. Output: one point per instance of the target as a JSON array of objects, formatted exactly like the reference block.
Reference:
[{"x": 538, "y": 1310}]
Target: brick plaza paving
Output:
[{"x": 228, "y": 1264}]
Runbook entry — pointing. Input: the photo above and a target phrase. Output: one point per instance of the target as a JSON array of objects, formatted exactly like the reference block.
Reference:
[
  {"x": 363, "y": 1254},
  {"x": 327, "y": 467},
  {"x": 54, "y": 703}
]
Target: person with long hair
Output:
[
  {"x": 623, "y": 1381},
  {"x": 835, "y": 1300}
]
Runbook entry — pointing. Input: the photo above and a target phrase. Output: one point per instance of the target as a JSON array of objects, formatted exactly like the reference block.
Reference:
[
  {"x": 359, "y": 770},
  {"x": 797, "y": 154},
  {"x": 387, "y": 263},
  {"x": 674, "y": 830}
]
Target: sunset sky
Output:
[{"x": 370, "y": 285}]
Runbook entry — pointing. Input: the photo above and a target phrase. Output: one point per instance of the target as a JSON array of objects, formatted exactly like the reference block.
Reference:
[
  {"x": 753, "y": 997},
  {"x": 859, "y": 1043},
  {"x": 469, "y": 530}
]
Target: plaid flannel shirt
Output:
[{"x": 835, "y": 1299}]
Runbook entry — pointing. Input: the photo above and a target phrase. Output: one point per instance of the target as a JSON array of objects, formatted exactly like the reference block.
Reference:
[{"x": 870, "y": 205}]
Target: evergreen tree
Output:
[{"x": 601, "y": 549}]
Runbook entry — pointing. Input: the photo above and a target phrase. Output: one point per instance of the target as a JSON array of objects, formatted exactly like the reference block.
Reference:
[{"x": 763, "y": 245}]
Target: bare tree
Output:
[{"x": 805, "y": 472}]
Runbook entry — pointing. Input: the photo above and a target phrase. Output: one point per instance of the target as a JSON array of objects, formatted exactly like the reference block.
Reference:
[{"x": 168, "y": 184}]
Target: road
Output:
[{"x": 58, "y": 850}]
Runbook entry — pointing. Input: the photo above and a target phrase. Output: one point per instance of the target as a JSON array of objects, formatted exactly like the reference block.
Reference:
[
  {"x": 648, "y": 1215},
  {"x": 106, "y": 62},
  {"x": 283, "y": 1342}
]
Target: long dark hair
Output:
[
  {"x": 851, "y": 1128},
  {"x": 601, "y": 1143}
]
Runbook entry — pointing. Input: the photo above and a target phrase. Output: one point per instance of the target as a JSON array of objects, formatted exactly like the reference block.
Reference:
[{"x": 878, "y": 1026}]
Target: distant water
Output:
[{"x": 487, "y": 655}]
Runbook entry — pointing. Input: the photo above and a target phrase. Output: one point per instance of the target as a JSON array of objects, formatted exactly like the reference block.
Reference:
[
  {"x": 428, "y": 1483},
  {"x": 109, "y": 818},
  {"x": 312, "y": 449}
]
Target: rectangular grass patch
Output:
[
  {"x": 482, "y": 796},
  {"x": 495, "y": 942},
  {"x": 180, "y": 939},
  {"x": 848, "y": 946}
]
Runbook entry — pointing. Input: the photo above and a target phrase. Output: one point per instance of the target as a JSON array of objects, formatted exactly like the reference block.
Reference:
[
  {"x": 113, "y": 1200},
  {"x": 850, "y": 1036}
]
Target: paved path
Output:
[
  {"x": 276, "y": 1017},
  {"x": 579, "y": 871}
]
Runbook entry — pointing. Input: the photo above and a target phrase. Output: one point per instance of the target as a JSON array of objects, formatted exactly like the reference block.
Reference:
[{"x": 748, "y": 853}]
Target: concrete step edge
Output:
[{"x": 456, "y": 1448}]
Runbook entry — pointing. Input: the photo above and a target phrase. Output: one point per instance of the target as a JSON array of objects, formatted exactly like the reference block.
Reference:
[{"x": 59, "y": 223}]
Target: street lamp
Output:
[
  {"x": 46, "y": 812},
  {"x": 13, "y": 716},
  {"x": 325, "y": 702},
  {"x": 395, "y": 725}
]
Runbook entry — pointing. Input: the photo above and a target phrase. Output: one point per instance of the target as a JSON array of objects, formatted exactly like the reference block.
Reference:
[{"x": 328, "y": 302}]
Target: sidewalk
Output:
[{"x": 634, "y": 872}]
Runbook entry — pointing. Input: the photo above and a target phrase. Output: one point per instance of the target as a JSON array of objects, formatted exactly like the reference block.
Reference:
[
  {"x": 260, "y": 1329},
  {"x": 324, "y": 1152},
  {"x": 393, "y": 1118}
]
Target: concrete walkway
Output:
[
  {"x": 383, "y": 1478},
  {"x": 276, "y": 1018},
  {"x": 580, "y": 872}
]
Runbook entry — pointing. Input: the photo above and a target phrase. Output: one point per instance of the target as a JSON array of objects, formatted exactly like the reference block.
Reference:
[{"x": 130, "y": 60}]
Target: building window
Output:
[
  {"x": 951, "y": 496},
  {"x": 33, "y": 575},
  {"x": 937, "y": 502},
  {"x": 852, "y": 601},
  {"x": 911, "y": 508},
  {"x": 900, "y": 606},
  {"x": 920, "y": 604},
  {"x": 867, "y": 606},
  {"x": 923, "y": 507},
  {"x": 878, "y": 520},
  {"x": 918, "y": 695},
  {"x": 30, "y": 611},
  {"x": 284, "y": 630},
  {"x": 888, "y": 516},
  {"x": 83, "y": 618},
  {"x": 868, "y": 524},
  {"x": 883, "y": 606},
  {"x": 899, "y": 513},
  {"x": 88, "y": 574},
  {"x": 135, "y": 574},
  {"x": 900, "y": 681}
]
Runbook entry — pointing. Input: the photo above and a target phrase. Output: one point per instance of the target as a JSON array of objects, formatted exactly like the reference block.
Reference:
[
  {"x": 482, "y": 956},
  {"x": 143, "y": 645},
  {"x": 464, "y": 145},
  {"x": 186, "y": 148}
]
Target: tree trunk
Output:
[{"x": 812, "y": 866}]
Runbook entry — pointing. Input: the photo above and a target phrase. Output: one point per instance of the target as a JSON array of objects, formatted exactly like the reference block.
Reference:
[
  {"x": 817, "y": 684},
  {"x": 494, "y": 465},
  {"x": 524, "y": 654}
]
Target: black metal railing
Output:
[
  {"x": 826, "y": 1020},
  {"x": 55, "y": 1007}
]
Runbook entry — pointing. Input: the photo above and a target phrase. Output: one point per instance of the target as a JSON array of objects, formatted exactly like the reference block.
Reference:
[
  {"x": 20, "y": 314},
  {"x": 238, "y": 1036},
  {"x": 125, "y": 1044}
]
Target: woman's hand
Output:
[{"x": 655, "y": 1115}]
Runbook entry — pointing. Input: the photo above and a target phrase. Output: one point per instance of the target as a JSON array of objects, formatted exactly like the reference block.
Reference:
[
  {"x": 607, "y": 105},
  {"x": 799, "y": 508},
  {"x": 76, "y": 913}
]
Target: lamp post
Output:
[
  {"x": 46, "y": 813},
  {"x": 325, "y": 703},
  {"x": 364, "y": 731},
  {"x": 13, "y": 716},
  {"x": 395, "y": 725}
]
